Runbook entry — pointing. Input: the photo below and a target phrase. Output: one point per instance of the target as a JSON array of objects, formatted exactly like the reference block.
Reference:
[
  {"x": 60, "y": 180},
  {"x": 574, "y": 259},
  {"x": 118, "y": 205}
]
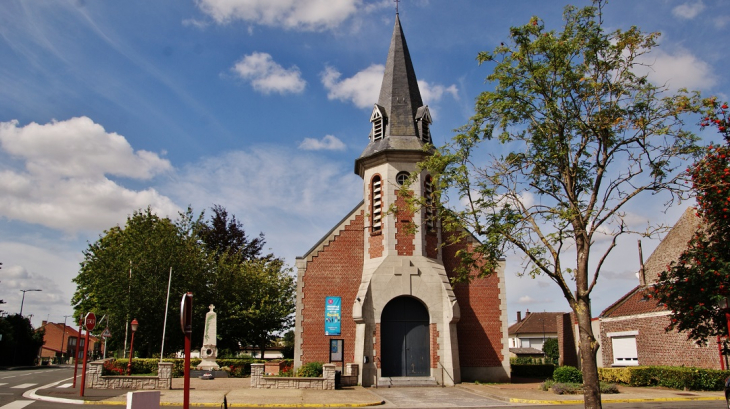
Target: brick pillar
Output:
[
  {"x": 566, "y": 341},
  {"x": 164, "y": 373},
  {"x": 328, "y": 373},
  {"x": 93, "y": 374},
  {"x": 257, "y": 372}
]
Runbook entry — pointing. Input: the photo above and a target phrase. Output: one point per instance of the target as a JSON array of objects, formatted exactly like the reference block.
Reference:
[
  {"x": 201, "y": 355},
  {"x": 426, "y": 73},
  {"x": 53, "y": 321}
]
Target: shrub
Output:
[
  {"x": 545, "y": 386},
  {"x": 310, "y": 370},
  {"x": 607, "y": 388},
  {"x": 567, "y": 374},
  {"x": 670, "y": 377},
  {"x": 569, "y": 388}
]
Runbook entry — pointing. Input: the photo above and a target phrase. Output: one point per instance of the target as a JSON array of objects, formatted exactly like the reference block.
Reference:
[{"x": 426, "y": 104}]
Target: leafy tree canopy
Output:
[
  {"x": 696, "y": 286},
  {"x": 125, "y": 274},
  {"x": 582, "y": 134}
]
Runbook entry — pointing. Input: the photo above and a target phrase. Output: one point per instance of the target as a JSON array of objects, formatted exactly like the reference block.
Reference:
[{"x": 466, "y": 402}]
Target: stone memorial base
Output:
[{"x": 216, "y": 374}]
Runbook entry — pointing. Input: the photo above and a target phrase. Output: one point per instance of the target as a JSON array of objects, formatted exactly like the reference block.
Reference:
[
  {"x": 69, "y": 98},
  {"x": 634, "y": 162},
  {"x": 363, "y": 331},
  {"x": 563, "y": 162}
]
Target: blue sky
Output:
[{"x": 261, "y": 106}]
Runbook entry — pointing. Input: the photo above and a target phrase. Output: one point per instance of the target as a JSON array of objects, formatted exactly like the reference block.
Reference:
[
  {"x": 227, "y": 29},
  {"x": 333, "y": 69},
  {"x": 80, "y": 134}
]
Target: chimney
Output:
[
  {"x": 519, "y": 316},
  {"x": 43, "y": 323},
  {"x": 527, "y": 313}
]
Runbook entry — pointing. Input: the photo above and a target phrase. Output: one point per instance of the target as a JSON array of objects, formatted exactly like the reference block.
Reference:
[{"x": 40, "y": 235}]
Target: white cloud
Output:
[
  {"x": 291, "y": 196},
  {"x": 361, "y": 89},
  {"x": 721, "y": 21},
  {"x": 64, "y": 184},
  {"x": 309, "y": 15},
  {"x": 433, "y": 92},
  {"x": 680, "y": 69},
  {"x": 688, "y": 10},
  {"x": 328, "y": 142},
  {"x": 267, "y": 76}
]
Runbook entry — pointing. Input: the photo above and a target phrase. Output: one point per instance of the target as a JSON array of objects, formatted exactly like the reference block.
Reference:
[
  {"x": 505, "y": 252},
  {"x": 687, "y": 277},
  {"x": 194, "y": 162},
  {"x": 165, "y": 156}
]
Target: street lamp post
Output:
[
  {"x": 63, "y": 335},
  {"x": 23, "y": 299},
  {"x": 131, "y": 346}
]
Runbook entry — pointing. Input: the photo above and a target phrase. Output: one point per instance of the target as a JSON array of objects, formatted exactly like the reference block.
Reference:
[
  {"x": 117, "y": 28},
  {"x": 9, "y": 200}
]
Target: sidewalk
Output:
[
  {"x": 529, "y": 393},
  {"x": 236, "y": 391}
]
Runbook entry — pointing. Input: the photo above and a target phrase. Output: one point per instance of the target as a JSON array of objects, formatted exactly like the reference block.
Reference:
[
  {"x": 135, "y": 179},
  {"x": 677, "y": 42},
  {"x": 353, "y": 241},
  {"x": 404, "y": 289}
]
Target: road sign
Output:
[
  {"x": 90, "y": 321},
  {"x": 106, "y": 333}
]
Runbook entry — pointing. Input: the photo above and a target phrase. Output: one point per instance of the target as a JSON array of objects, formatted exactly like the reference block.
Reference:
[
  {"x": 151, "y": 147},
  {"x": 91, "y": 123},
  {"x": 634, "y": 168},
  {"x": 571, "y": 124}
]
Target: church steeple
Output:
[
  {"x": 399, "y": 93},
  {"x": 400, "y": 121}
]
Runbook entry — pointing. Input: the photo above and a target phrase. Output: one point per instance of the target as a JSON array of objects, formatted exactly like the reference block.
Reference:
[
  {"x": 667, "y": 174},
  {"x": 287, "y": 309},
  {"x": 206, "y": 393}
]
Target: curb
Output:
[
  {"x": 245, "y": 405},
  {"x": 636, "y": 400},
  {"x": 31, "y": 394}
]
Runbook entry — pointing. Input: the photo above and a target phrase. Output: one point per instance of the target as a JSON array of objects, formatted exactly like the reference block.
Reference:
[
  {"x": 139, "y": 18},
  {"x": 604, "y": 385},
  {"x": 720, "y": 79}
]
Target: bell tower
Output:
[{"x": 405, "y": 311}]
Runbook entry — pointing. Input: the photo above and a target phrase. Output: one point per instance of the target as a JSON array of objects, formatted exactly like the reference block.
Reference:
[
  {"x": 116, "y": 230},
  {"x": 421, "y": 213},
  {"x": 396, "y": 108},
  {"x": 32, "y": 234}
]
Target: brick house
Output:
[
  {"x": 377, "y": 293},
  {"x": 632, "y": 328},
  {"x": 63, "y": 338},
  {"x": 527, "y": 336}
]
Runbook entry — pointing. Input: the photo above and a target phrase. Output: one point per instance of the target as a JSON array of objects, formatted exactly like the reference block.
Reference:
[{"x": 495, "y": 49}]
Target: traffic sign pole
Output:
[
  {"x": 89, "y": 323},
  {"x": 186, "y": 323},
  {"x": 76, "y": 353}
]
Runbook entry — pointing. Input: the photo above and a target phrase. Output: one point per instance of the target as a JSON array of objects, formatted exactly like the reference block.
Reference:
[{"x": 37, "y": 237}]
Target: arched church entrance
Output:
[{"x": 404, "y": 340}]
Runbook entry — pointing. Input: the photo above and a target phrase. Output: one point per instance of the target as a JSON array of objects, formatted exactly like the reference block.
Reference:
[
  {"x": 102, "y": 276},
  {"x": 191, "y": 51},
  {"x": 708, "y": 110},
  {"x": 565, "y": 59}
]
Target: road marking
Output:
[
  {"x": 1, "y": 384},
  {"x": 24, "y": 385},
  {"x": 65, "y": 385},
  {"x": 18, "y": 404}
]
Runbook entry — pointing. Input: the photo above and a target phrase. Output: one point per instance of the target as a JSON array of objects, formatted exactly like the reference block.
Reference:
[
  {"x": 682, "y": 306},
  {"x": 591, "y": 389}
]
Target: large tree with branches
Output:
[{"x": 583, "y": 135}]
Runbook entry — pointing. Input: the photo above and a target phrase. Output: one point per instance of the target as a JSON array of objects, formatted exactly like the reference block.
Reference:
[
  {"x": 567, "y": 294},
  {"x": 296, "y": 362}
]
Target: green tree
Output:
[
  {"x": 551, "y": 349},
  {"x": 695, "y": 287},
  {"x": 583, "y": 135},
  {"x": 20, "y": 344},
  {"x": 125, "y": 273}
]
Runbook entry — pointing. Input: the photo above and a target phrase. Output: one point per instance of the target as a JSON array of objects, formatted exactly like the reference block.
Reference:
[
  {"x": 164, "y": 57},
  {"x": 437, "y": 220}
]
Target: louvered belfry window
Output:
[
  {"x": 430, "y": 205},
  {"x": 377, "y": 204}
]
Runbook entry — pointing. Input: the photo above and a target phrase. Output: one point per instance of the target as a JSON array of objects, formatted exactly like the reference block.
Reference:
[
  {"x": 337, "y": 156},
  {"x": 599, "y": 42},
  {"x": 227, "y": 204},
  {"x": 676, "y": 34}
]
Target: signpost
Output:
[
  {"x": 186, "y": 324},
  {"x": 76, "y": 353},
  {"x": 89, "y": 323},
  {"x": 106, "y": 334}
]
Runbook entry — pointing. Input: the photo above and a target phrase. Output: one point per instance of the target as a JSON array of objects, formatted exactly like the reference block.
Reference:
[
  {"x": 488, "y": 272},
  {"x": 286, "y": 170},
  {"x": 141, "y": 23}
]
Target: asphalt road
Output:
[{"x": 14, "y": 383}]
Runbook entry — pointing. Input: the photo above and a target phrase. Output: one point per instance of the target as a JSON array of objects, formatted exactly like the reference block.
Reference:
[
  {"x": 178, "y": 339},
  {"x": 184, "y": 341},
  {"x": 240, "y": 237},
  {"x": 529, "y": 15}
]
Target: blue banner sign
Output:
[{"x": 332, "y": 315}]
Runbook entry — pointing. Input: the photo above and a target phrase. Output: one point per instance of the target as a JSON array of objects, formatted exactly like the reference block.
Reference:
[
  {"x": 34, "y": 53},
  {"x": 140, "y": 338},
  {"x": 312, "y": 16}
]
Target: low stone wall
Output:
[
  {"x": 258, "y": 380},
  {"x": 95, "y": 380}
]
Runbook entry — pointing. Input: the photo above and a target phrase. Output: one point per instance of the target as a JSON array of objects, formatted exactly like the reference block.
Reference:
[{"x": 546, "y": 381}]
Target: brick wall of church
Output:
[
  {"x": 334, "y": 271},
  {"x": 480, "y": 328},
  {"x": 404, "y": 233},
  {"x": 658, "y": 347}
]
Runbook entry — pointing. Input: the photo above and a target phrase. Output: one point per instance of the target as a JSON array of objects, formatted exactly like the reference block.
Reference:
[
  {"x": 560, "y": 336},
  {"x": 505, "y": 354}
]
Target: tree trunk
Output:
[{"x": 588, "y": 349}]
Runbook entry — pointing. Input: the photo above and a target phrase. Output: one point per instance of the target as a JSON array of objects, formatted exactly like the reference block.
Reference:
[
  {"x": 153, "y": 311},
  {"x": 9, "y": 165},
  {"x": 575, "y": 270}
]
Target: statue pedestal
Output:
[{"x": 208, "y": 354}]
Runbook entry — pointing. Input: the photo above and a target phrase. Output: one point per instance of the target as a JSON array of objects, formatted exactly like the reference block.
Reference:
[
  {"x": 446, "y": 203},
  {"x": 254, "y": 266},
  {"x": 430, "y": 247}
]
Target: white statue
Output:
[{"x": 208, "y": 353}]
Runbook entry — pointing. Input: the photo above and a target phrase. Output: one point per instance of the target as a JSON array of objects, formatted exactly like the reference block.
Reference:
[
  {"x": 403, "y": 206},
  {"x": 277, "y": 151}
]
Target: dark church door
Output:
[{"x": 404, "y": 339}]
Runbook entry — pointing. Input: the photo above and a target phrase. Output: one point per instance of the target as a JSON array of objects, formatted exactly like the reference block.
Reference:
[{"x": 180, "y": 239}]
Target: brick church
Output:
[{"x": 377, "y": 293}]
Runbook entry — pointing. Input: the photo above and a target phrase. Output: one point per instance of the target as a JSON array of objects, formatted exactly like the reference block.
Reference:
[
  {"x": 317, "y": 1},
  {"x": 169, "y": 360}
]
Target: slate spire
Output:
[
  {"x": 400, "y": 121},
  {"x": 399, "y": 93}
]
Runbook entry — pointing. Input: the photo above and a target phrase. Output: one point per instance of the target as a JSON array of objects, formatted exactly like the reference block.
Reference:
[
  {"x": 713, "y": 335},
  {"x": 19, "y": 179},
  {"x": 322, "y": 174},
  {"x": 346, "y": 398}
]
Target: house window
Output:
[
  {"x": 428, "y": 196},
  {"x": 377, "y": 204},
  {"x": 624, "y": 348},
  {"x": 401, "y": 178}
]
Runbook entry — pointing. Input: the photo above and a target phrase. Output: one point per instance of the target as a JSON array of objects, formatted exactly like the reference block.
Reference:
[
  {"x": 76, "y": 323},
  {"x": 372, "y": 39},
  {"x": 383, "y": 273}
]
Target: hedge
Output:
[
  {"x": 533, "y": 371},
  {"x": 695, "y": 379},
  {"x": 238, "y": 368}
]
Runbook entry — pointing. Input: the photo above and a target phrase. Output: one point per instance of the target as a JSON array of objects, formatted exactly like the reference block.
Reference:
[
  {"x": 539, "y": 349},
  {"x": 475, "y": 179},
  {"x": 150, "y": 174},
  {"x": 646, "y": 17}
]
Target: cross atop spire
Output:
[{"x": 396, "y": 5}]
